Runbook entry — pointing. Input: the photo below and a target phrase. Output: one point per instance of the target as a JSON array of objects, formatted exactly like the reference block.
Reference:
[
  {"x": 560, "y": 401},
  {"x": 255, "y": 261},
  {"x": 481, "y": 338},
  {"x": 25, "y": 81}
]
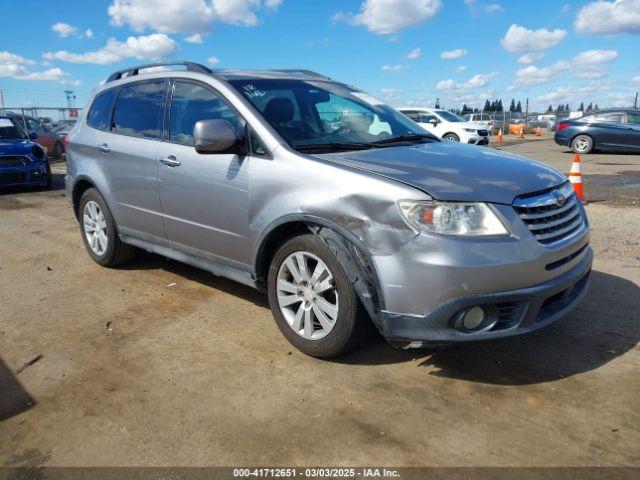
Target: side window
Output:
[
  {"x": 415, "y": 116},
  {"x": 608, "y": 117},
  {"x": 33, "y": 124},
  {"x": 633, "y": 118},
  {"x": 191, "y": 103},
  {"x": 100, "y": 112},
  {"x": 426, "y": 118},
  {"x": 137, "y": 110},
  {"x": 257, "y": 147}
]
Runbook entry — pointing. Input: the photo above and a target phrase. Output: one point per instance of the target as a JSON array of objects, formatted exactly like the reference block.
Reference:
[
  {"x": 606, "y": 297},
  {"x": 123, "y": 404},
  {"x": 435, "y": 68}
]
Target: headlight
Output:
[
  {"x": 449, "y": 218},
  {"x": 470, "y": 130}
]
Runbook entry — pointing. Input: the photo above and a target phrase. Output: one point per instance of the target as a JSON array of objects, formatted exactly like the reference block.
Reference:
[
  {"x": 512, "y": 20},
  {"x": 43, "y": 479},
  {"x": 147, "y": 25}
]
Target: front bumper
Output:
[
  {"x": 521, "y": 311},
  {"x": 478, "y": 140},
  {"x": 32, "y": 175}
]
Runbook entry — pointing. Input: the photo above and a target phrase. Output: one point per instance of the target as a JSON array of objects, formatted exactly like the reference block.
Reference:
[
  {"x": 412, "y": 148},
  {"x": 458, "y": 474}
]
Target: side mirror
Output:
[
  {"x": 433, "y": 121},
  {"x": 214, "y": 136},
  {"x": 33, "y": 135}
]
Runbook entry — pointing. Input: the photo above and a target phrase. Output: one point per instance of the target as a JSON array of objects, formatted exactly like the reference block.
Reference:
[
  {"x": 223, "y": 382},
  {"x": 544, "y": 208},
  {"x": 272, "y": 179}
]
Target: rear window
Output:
[
  {"x": 100, "y": 112},
  {"x": 137, "y": 109}
]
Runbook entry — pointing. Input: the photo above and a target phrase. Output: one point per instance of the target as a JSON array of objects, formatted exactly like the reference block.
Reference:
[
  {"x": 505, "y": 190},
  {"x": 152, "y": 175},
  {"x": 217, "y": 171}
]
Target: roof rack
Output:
[
  {"x": 190, "y": 66},
  {"x": 298, "y": 71}
]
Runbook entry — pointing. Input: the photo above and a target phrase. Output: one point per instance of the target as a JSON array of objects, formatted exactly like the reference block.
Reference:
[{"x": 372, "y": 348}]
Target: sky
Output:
[{"x": 407, "y": 52}]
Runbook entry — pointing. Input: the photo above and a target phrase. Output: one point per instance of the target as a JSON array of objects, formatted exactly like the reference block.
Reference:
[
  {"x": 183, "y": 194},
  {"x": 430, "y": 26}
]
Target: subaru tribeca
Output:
[{"x": 346, "y": 212}]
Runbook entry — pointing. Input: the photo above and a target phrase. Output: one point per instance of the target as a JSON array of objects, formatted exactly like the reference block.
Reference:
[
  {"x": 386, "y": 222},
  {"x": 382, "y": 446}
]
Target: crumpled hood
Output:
[
  {"x": 453, "y": 171},
  {"x": 16, "y": 147}
]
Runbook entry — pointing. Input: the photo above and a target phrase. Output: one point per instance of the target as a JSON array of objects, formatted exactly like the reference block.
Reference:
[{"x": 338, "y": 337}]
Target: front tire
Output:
[
  {"x": 451, "y": 137},
  {"x": 582, "y": 144},
  {"x": 99, "y": 231},
  {"x": 312, "y": 300}
]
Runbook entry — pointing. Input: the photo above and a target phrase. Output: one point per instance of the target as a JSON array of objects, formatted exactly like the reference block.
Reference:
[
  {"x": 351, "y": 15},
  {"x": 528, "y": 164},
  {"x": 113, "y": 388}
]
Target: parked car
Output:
[
  {"x": 337, "y": 206},
  {"x": 447, "y": 125},
  {"x": 46, "y": 136},
  {"x": 617, "y": 130},
  {"x": 22, "y": 161},
  {"x": 482, "y": 119}
]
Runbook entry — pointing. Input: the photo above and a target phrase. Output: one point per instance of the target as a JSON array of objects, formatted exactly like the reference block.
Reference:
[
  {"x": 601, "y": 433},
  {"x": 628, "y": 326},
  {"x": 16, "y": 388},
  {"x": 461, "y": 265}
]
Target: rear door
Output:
[
  {"x": 128, "y": 155},
  {"x": 204, "y": 196},
  {"x": 610, "y": 130},
  {"x": 633, "y": 130}
]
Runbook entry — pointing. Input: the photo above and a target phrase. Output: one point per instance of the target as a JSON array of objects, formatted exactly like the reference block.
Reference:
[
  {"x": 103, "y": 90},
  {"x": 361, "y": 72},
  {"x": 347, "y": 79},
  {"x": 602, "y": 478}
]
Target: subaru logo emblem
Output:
[{"x": 560, "y": 198}]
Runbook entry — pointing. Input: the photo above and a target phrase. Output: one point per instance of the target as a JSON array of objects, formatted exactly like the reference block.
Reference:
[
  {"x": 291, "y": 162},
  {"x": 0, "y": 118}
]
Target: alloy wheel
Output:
[
  {"x": 95, "y": 227},
  {"x": 582, "y": 144},
  {"x": 307, "y": 295}
]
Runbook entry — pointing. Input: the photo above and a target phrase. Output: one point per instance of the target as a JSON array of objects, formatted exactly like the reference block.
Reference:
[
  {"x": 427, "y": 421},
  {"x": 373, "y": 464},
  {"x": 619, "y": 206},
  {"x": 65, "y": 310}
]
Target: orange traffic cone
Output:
[
  {"x": 521, "y": 135},
  {"x": 575, "y": 177},
  {"x": 500, "y": 137},
  {"x": 538, "y": 132}
]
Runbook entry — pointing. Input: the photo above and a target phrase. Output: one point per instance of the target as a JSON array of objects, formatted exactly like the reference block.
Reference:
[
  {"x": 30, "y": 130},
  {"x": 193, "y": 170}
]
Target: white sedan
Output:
[{"x": 448, "y": 126}]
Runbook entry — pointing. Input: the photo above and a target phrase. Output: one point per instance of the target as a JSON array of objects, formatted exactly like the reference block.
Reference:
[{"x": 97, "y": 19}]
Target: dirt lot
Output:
[{"x": 162, "y": 364}]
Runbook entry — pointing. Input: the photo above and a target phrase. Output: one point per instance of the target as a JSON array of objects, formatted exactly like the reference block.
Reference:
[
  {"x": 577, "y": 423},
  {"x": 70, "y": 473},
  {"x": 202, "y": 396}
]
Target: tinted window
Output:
[
  {"x": 9, "y": 128},
  {"x": 100, "y": 112},
  {"x": 33, "y": 124},
  {"x": 633, "y": 118},
  {"x": 191, "y": 103},
  {"x": 137, "y": 110}
]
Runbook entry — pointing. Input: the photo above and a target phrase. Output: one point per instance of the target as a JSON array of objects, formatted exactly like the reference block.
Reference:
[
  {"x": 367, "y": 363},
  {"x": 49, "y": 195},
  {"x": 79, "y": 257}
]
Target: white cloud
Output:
[
  {"x": 185, "y": 16},
  {"x": 594, "y": 57},
  {"x": 521, "y": 39},
  {"x": 531, "y": 57},
  {"x": 452, "y": 54},
  {"x": 6, "y": 58},
  {"x": 494, "y": 8},
  {"x": 213, "y": 60},
  {"x": 636, "y": 79},
  {"x": 385, "y": 17},
  {"x": 88, "y": 33},
  {"x": 149, "y": 47},
  {"x": 394, "y": 68},
  {"x": 479, "y": 80},
  {"x": 195, "y": 38},
  {"x": 609, "y": 18},
  {"x": 533, "y": 75},
  {"x": 414, "y": 54},
  {"x": 460, "y": 68},
  {"x": 560, "y": 93},
  {"x": 63, "y": 29},
  {"x": 590, "y": 72}
]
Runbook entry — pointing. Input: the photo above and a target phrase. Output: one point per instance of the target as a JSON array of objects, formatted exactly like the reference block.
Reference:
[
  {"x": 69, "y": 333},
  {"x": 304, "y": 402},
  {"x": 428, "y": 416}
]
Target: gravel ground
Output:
[{"x": 161, "y": 364}]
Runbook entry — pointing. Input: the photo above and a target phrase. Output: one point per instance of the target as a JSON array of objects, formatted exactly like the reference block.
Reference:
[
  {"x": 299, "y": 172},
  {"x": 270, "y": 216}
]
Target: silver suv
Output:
[{"x": 344, "y": 211}]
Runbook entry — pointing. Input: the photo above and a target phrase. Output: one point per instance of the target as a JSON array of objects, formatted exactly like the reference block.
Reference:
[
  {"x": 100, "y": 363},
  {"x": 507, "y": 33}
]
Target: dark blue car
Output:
[
  {"x": 22, "y": 161},
  {"x": 617, "y": 130}
]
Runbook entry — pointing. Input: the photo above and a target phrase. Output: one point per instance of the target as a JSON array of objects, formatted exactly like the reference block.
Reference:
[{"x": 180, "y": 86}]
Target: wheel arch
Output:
[
  {"x": 80, "y": 186},
  {"x": 451, "y": 133},
  {"x": 593, "y": 139},
  {"x": 351, "y": 251}
]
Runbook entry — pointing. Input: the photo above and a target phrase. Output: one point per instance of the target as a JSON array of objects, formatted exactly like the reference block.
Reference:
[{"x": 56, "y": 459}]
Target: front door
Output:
[{"x": 204, "y": 197}]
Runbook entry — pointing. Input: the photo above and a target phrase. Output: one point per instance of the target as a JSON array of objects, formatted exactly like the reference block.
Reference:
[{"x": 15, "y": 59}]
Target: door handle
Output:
[
  {"x": 171, "y": 161},
  {"x": 104, "y": 148}
]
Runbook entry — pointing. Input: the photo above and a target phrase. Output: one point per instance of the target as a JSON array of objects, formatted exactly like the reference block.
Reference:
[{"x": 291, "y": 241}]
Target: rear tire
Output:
[
  {"x": 451, "y": 137},
  {"x": 305, "y": 317},
  {"x": 582, "y": 144},
  {"x": 99, "y": 231}
]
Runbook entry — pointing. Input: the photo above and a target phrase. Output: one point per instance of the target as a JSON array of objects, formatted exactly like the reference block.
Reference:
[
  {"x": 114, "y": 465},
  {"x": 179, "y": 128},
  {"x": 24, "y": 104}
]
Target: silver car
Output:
[{"x": 346, "y": 212}]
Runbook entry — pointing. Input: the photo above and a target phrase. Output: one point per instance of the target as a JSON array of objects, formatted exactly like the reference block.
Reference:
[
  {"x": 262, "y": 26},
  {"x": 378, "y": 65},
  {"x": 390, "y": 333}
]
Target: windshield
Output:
[
  {"x": 9, "y": 129},
  {"x": 326, "y": 114},
  {"x": 448, "y": 116}
]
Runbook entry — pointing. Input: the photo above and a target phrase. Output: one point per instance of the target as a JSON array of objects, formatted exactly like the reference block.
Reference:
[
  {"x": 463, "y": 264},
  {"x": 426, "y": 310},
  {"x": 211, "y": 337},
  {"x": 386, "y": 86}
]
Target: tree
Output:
[
  {"x": 550, "y": 109},
  {"x": 519, "y": 107},
  {"x": 487, "y": 106},
  {"x": 581, "y": 107},
  {"x": 512, "y": 107},
  {"x": 596, "y": 107},
  {"x": 566, "y": 108},
  {"x": 499, "y": 106},
  {"x": 590, "y": 107}
]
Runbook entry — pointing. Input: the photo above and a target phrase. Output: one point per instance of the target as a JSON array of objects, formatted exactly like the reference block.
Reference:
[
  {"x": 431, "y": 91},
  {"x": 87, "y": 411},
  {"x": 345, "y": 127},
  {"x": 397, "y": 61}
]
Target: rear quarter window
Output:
[{"x": 100, "y": 112}]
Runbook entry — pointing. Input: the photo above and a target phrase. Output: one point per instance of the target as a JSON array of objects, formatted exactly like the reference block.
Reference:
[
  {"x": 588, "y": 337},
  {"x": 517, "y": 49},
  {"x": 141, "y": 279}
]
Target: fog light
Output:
[{"x": 473, "y": 318}]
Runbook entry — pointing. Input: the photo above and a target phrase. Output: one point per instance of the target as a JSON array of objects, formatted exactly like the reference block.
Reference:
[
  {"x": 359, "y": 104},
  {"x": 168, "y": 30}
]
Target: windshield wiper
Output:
[
  {"x": 336, "y": 146},
  {"x": 407, "y": 137}
]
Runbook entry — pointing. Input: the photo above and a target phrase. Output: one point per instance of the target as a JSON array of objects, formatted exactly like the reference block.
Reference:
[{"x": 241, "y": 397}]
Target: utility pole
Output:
[
  {"x": 635, "y": 103},
  {"x": 437, "y": 103},
  {"x": 2, "y": 101},
  {"x": 526, "y": 112}
]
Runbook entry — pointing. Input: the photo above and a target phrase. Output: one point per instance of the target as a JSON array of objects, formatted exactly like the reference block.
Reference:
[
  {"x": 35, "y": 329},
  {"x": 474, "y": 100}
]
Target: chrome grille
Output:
[{"x": 551, "y": 216}]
